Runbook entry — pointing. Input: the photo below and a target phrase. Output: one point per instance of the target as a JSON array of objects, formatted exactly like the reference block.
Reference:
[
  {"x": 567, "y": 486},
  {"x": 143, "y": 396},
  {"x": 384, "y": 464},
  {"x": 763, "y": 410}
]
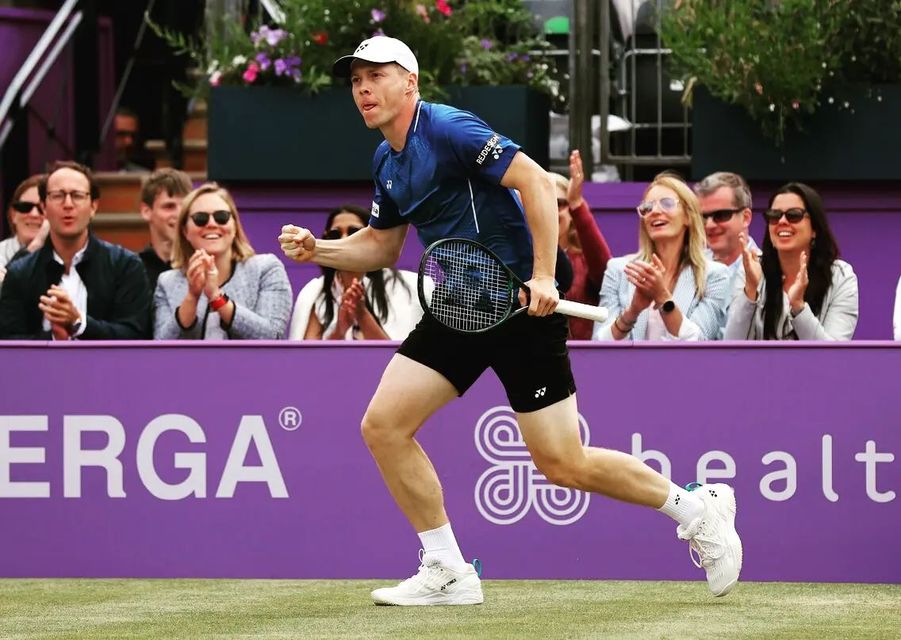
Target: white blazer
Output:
[
  {"x": 837, "y": 319},
  {"x": 702, "y": 317}
]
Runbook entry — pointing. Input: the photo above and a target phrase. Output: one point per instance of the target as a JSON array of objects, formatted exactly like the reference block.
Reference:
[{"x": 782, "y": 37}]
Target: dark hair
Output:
[
  {"x": 128, "y": 113},
  {"x": 172, "y": 181},
  {"x": 823, "y": 252},
  {"x": 378, "y": 302},
  {"x": 67, "y": 164}
]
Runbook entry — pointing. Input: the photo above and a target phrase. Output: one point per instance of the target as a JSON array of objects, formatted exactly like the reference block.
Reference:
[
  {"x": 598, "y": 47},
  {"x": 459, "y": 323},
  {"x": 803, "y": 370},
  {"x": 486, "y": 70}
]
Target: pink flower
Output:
[
  {"x": 796, "y": 105},
  {"x": 250, "y": 75},
  {"x": 377, "y": 15},
  {"x": 443, "y": 7},
  {"x": 215, "y": 78},
  {"x": 423, "y": 13}
]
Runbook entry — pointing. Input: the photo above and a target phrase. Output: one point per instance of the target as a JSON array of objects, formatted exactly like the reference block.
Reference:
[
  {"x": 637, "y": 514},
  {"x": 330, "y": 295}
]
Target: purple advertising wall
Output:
[
  {"x": 866, "y": 219},
  {"x": 245, "y": 460}
]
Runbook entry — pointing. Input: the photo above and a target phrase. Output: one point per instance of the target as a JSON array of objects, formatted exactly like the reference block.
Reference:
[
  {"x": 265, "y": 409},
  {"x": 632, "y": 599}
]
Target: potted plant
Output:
[
  {"x": 791, "y": 89},
  {"x": 275, "y": 112}
]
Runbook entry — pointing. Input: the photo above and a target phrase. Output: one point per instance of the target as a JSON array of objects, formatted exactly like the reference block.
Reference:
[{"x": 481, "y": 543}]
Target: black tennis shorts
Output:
[{"x": 527, "y": 353}]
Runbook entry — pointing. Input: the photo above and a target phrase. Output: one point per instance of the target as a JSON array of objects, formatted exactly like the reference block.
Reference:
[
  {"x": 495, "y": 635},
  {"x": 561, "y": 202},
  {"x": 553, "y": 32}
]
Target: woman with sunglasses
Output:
[
  {"x": 669, "y": 290},
  {"x": 218, "y": 289},
  {"x": 798, "y": 289},
  {"x": 26, "y": 219},
  {"x": 341, "y": 305},
  {"x": 582, "y": 242}
]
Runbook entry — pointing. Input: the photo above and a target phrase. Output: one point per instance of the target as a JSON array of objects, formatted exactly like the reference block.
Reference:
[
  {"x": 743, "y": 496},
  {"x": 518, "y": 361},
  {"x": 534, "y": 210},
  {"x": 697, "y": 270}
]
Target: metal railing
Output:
[{"x": 662, "y": 139}]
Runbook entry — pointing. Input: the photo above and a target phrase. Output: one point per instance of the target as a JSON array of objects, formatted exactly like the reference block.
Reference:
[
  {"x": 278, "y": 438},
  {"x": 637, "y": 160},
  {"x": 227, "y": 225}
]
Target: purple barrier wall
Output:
[
  {"x": 20, "y": 29},
  {"x": 866, "y": 220},
  {"x": 245, "y": 460}
]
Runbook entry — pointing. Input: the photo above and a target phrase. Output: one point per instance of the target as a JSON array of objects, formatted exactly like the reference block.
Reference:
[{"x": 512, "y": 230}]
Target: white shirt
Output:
[{"x": 76, "y": 289}]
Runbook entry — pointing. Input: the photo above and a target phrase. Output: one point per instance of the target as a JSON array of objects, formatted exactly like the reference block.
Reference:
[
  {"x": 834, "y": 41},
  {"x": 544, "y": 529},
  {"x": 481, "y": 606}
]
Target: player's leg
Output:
[
  {"x": 407, "y": 395},
  {"x": 432, "y": 367},
  {"x": 706, "y": 516}
]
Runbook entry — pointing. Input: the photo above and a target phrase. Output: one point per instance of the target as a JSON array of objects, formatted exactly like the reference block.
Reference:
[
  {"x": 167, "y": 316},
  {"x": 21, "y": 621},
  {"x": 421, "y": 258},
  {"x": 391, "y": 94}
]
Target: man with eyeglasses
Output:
[
  {"x": 77, "y": 286},
  {"x": 725, "y": 200}
]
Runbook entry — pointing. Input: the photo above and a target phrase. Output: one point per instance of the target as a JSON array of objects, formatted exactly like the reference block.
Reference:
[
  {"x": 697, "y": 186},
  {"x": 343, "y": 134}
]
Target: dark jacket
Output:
[{"x": 119, "y": 296}]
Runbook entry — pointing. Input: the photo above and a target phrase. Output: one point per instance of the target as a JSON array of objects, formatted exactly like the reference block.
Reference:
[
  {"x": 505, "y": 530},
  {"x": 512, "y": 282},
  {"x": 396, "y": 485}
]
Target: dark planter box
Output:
[
  {"x": 835, "y": 144},
  {"x": 282, "y": 134}
]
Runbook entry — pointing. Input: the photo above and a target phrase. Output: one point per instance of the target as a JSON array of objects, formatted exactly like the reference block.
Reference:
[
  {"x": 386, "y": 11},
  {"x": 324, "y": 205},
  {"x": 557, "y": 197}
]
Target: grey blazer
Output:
[
  {"x": 259, "y": 288},
  {"x": 837, "y": 319},
  {"x": 702, "y": 318}
]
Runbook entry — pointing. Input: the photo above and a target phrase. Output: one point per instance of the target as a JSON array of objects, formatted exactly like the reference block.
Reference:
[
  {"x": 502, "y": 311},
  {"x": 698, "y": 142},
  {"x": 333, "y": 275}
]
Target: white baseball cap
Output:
[{"x": 381, "y": 50}]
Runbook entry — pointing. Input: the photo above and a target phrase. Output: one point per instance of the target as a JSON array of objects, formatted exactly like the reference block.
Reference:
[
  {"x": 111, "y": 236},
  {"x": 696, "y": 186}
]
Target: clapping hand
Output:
[
  {"x": 198, "y": 268},
  {"x": 753, "y": 270},
  {"x": 576, "y": 180},
  {"x": 59, "y": 311},
  {"x": 799, "y": 287},
  {"x": 649, "y": 280},
  {"x": 352, "y": 307}
]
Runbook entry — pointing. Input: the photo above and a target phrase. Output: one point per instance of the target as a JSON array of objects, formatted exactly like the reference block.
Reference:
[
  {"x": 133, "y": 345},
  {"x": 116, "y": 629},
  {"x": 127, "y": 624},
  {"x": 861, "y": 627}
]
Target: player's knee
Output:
[
  {"x": 376, "y": 429},
  {"x": 560, "y": 472}
]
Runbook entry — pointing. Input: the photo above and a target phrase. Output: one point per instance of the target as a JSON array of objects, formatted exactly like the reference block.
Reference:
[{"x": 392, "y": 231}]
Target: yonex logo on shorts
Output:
[
  {"x": 512, "y": 486},
  {"x": 491, "y": 144},
  {"x": 539, "y": 393}
]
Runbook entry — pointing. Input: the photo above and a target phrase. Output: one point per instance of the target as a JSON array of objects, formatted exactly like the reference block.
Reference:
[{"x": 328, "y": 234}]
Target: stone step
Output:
[
  {"x": 194, "y": 154},
  {"x": 122, "y": 191},
  {"x": 126, "y": 229}
]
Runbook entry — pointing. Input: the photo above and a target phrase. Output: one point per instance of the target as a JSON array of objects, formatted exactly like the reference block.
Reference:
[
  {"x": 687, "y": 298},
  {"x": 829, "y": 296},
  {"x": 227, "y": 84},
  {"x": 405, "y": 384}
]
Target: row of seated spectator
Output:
[{"x": 697, "y": 276}]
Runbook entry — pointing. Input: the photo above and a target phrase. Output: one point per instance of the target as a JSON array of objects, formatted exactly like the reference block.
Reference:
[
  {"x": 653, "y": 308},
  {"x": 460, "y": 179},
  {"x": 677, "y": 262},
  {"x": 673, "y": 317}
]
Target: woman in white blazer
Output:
[
  {"x": 797, "y": 289},
  {"x": 668, "y": 290}
]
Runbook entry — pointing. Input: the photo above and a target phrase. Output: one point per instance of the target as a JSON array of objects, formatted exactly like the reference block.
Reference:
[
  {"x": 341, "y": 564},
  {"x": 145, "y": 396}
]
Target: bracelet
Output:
[
  {"x": 219, "y": 302},
  {"x": 628, "y": 328}
]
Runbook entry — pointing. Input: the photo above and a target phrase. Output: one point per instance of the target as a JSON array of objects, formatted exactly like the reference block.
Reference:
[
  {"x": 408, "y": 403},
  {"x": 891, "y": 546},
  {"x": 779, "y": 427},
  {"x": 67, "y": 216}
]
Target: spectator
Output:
[
  {"x": 161, "y": 198},
  {"x": 218, "y": 289},
  {"x": 98, "y": 290},
  {"x": 583, "y": 243},
  {"x": 27, "y": 221},
  {"x": 340, "y": 305},
  {"x": 798, "y": 289},
  {"x": 129, "y": 158},
  {"x": 725, "y": 200},
  {"x": 669, "y": 290}
]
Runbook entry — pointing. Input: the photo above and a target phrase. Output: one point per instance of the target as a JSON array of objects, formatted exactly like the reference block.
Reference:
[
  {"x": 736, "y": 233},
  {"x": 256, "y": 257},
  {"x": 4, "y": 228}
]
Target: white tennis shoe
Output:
[
  {"x": 713, "y": 537},
  {"x": 434, "y": 584}
]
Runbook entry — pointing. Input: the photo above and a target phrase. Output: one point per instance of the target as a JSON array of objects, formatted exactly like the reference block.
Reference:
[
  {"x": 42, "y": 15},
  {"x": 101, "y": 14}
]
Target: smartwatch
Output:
[{"x": 667, "y": 307}]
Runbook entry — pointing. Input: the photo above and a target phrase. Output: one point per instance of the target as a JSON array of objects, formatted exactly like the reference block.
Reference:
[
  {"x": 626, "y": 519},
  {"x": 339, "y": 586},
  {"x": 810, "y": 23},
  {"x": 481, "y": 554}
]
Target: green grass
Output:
[{"x": 513, "y": 609}]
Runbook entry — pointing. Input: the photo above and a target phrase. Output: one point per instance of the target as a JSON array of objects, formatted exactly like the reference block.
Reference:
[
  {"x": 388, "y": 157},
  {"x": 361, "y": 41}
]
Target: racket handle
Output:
[{"x": 579, "y": 310}]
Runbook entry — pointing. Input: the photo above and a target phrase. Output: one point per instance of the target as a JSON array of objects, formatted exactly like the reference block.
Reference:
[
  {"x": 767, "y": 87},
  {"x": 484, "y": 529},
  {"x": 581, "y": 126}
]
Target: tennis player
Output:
[{"x": 449, "y": 174}]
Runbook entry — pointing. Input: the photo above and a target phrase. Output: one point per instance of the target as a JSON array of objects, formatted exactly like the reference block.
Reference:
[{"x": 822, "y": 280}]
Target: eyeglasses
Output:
[
  {"x": 78, "y": 197},
  {"x": 337, "y": 233},
  {"x": 202, "y": 218},
  {"x": 667, "y": 205},
  {"x": 23, "y": 206},
  {"x": 720, "y": 215},
  {"x": 793, "y": 215}
]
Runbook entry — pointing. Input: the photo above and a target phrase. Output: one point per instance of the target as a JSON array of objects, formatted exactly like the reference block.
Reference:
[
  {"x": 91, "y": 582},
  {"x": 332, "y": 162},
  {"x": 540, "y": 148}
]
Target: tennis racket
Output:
[{"x": 474, "y": 291}]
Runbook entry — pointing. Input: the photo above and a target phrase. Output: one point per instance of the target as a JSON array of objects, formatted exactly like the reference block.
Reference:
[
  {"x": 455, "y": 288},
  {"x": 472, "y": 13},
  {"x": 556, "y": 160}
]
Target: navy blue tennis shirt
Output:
[{"x": 446, "y": 183}]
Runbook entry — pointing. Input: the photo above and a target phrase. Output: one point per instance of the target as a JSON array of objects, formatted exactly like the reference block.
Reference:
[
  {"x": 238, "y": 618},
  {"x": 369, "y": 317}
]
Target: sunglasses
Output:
[
  {"x": 720, "y": 215},
  {"x": 337, "y": 234},
  {"x": 201, "y": 218},
  {"x": 667, "y": 205},
  {"x": 793, "y": 215},
  {"x": 23, "y": 206}
]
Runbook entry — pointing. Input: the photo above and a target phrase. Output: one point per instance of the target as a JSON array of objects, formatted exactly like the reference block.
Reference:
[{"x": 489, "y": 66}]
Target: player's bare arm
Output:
[
  {"x": 539, "y": 201},
  {"x": 367, "y": 250}
]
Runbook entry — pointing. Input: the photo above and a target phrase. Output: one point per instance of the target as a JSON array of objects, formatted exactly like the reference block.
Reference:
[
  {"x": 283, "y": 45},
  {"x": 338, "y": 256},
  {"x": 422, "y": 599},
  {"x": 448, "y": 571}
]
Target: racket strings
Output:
[{"x": 471, "y": 289}]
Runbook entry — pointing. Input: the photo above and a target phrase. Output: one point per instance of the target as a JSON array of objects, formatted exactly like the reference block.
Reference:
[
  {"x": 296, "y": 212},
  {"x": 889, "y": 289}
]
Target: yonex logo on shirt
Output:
[{"x": 492, "y": 142}]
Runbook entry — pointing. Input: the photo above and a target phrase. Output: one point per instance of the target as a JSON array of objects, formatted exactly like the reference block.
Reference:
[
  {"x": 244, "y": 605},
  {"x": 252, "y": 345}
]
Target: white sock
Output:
[
  {"x": 440, "y": 545},
  {"x": 681, "y": 505}
]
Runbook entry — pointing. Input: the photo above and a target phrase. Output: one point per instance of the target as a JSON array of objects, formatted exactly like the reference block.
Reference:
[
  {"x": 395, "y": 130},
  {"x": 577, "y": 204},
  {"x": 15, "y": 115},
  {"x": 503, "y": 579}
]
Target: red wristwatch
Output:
[{"x": 219, "y": 302}]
